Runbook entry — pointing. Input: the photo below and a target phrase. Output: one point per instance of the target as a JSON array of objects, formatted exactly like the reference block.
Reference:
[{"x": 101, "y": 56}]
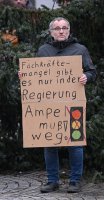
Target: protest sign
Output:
[{"x": 53, "y": 101}]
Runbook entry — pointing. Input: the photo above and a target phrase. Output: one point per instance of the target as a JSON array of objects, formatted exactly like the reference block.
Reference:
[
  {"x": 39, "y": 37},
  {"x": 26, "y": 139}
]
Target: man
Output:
[
  {"x": 18, "y": 3},
  {"x": 61, "y": 43}
]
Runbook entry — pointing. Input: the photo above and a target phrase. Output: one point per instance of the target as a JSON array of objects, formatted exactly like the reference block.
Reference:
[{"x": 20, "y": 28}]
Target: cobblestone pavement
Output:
[{"x": 27, "y": 187}]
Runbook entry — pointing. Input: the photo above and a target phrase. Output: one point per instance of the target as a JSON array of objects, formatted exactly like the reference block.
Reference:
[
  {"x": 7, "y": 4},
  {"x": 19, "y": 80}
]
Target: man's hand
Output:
[
  {"x": 19, "y": 75},
  {"x": 83, "y": 79}
]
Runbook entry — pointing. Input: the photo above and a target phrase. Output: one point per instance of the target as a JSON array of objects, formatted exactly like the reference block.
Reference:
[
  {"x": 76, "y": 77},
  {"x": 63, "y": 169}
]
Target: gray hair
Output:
[{"x": 58, "y": 19}]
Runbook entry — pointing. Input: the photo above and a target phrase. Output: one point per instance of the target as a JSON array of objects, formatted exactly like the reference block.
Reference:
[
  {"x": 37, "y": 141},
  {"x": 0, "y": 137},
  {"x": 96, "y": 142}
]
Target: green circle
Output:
[{"x": 76, "y": 135}]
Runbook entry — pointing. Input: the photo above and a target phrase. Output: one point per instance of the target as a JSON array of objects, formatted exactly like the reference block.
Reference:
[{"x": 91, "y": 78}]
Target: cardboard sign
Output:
[{"x": 53, "y": 101}]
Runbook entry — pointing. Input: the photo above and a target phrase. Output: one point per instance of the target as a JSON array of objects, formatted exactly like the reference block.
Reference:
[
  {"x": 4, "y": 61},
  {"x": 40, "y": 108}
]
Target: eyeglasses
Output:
[{"x": 64, "y": 28}]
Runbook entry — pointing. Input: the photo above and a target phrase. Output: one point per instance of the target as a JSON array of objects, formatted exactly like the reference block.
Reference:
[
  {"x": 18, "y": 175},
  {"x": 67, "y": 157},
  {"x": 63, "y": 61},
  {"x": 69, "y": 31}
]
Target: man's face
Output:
[
  {"x": 60, "y": 30},
  {"x": 19, "y": 3}
]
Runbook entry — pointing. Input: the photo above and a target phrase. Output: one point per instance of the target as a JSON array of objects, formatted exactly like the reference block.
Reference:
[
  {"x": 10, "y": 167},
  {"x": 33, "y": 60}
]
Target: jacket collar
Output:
[{"x": 61, "y": 44}]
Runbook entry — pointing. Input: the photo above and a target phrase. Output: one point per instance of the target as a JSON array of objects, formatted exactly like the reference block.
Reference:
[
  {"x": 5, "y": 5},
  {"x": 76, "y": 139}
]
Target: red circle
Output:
[{"x": 76, "y": 114}]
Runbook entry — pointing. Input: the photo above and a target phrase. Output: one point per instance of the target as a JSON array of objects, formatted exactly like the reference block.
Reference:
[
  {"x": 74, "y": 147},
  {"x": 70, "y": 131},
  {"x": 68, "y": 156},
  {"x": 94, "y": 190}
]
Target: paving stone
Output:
[
  {"x": 77, "y": 198},
  {"x": 100, "y": 198},
  {"x": 90, "y": 198},
  {"x": 27, "y": 187}
]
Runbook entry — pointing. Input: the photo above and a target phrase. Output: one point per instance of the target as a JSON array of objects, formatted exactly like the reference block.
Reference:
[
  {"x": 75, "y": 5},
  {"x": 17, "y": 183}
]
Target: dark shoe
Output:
[
  {"x": 74, "y": 187},
  {"x": 49, "y": 187}
]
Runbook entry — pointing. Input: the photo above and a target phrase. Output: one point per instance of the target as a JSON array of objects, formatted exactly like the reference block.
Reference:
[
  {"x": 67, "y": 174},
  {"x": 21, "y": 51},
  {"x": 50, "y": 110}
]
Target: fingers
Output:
[
  {"x": 19, "y": 74},
  {"x": 83, "y": 79}
]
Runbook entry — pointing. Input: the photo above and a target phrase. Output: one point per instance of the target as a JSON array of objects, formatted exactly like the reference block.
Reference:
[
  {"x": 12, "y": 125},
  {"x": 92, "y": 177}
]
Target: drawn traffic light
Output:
[{"x": 76, "y": 124}]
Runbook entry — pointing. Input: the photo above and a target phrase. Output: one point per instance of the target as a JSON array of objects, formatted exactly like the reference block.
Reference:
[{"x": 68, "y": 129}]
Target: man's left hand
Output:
[{"x": 83, "y": 79}]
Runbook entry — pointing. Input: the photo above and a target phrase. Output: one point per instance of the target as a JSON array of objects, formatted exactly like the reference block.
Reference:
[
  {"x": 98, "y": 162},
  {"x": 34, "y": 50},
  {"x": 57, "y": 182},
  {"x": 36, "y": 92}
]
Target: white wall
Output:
[{"x": 48, "y": 3}]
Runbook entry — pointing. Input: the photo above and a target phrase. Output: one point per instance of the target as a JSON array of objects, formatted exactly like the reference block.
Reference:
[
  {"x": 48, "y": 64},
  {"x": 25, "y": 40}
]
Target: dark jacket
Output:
[{"x": 68, "y": 48}]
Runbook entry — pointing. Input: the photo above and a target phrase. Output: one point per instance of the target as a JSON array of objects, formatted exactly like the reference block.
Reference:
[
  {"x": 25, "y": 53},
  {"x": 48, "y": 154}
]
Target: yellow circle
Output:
[{"x": 76, "y": 124}]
